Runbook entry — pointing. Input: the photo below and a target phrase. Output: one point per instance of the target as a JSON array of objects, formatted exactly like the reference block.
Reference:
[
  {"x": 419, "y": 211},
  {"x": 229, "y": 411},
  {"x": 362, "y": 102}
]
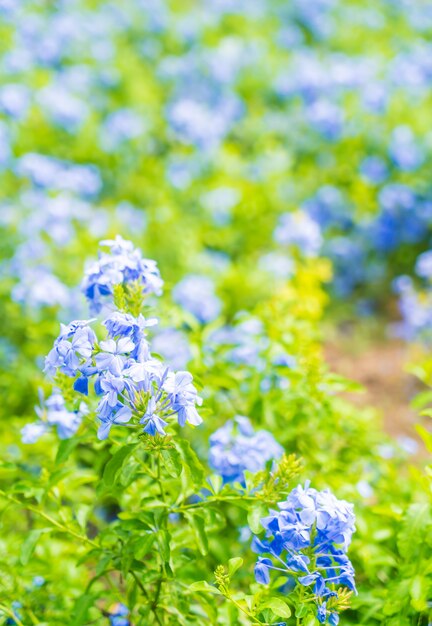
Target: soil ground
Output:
[{"x": 380, "y": 368}]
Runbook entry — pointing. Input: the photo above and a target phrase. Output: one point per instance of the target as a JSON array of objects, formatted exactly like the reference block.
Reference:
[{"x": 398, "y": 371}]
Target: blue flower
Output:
[
  {"x": 112, "y": 357},
  {"x": 196, "y": 295},
  {"x": 262, "y": 572},
  {"x": 154, "y": 424},
  {"x": 235, "y": 447},
  {"x": 122, "y": 265},
  {"x": 53, "y": 412},
  {"x": 120, "y": 127},
  {"x": 299, "y": 230},
  {"x": 119, "y": 414},
  {"x": 183, "y": 397},
  {"x": 119, "y": 615},
  {"x": 322, "y": 613},
  {"x": 72, "y": 348},
  {"x": 309, "y": 534},
  {"x": 423, "y": 266},
  {"x": 173, "y": 346}
]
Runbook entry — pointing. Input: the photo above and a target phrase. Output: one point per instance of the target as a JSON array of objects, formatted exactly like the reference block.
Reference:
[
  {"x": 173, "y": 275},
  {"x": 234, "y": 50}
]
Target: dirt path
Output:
[{"x": 379, "y": 367}]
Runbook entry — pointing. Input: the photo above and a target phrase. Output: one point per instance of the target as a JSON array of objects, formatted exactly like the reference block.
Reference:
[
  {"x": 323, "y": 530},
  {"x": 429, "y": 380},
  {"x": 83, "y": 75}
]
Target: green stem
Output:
[
  {"x": 246, "y": 612},
  {"x": 50, "y": 519},
  {"x": 11, "y": 614}
]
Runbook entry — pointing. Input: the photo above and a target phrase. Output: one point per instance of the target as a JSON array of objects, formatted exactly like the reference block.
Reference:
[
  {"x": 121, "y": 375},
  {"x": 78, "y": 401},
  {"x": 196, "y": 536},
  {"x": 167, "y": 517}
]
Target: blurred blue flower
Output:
[
  {"x": 196, "y": 294},
  {"x": 236, "y": 447},
  {"x": 300, "y": 230}
]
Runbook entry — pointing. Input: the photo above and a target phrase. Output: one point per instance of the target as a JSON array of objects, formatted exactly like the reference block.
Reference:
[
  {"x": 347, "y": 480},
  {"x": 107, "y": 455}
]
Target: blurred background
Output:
[{"x": 229, "y": 140}]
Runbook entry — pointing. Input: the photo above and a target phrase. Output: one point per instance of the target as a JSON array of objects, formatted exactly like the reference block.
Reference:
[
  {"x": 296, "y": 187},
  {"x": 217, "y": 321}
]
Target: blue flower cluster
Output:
[
  {"x": 122, "y": 265},
  {"x": 307, "y": 540},
  {"x": 130, "y": 382},
  {"x": 53, "y": 412},
  {"x": 236, "y": 448}
]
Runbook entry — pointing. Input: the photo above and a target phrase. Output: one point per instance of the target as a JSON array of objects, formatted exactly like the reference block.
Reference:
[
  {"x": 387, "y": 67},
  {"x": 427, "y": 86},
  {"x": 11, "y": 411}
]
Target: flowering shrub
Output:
[{"x": 135, "y": 516}]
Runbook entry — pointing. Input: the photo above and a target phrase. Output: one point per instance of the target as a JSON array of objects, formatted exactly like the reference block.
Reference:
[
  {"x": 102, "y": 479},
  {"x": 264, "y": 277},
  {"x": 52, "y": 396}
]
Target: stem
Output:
[
  {"x": 245, "y": 611},
  {"x": 211, "y": 500},
  {"x": 50, "y": 519},
  {"x": 11, "y": 614}
]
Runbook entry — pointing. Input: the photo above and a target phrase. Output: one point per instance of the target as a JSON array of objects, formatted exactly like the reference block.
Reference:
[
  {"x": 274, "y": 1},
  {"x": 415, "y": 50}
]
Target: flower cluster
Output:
[
  {"x": 122, "y": 265},
  {"x": 53, "y": 412},
  {"x": 236, "y": 447},
  {"x": 130, "y": 383},
  {"x": 307, "y": 539}
]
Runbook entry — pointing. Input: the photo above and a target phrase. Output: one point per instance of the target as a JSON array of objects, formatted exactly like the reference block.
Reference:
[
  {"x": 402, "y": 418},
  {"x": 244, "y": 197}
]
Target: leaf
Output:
[
  {"x": 216, "y": 483},
  {"x": 191, "y": 462},
  {"x": 30, "y": 542},
  {"x": 255, "y": 515},
  {"x": 64, "y": 450},
  {"x": 172, "y": 462},
  {"x": 81, "y": 514},
  {"x": 102, "y": 564},
  {"x": 202, "y": 585},
  {"x": 415, "y": 523},
  {"x": 422, "y": 399},
  {"x": 425, "y": 435},
  {"x": 81, "y": 608},
  {"x": 164, "y": 545},
  {"x": 419, "y": 593},
  {"x": 234, "y": 564},
  {"x": 116, "y": 462},
  {"x": 278, "y": 606},
  {"x": 198, "y": 527},
  {"x": 143, "y": 544}
]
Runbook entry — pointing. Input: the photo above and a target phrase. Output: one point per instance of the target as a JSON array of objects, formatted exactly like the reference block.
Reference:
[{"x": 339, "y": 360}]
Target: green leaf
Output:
[
  {"x": 115, "y": 464},
  {"x": 411, "y": 537},
  {"x": 102, "y": 564},
  {"x": 198, "y": 528},
  {"x": 216, "y": 483},
  {"x": 422, "y": 399},
  {"x": 143, "y": 544},
  {"x": 163, "y": 539},
  {"x": 425, "y": 435},
  {"x": 81, "y": 514},
  {"x": 64, "y": 450},
  {"x": 191, "y": 462},
  {"x": 172, "y": 462},
  {"x": 234, "y": 564},
  {"x": 278, "y": 606},
  {"x": 255, "y": 515},
  {"x": 30, "y": 542},
  {"x": 81, "y": 608},
  {"x": 202, "y": 585},
  {"x": 419, "y": 593}
]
